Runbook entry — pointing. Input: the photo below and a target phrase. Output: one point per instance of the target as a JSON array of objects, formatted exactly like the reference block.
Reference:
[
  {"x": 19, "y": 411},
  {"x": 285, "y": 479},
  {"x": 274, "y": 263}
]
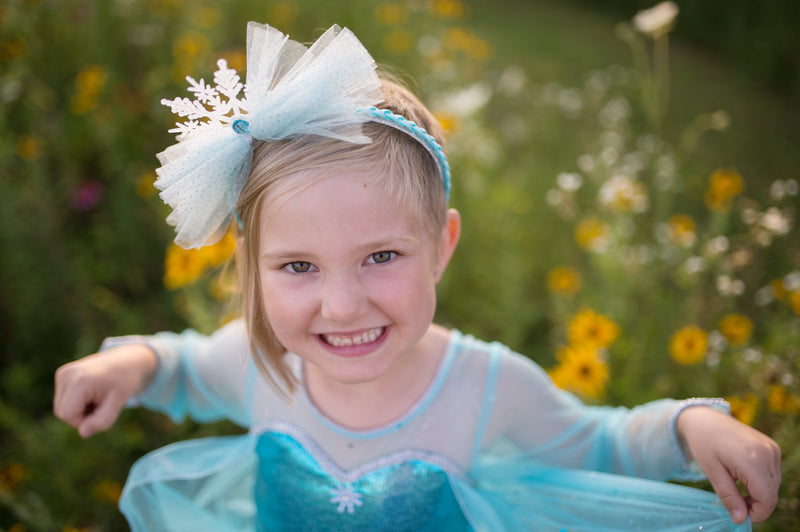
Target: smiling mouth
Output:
[{"x": 347, "y": 340}]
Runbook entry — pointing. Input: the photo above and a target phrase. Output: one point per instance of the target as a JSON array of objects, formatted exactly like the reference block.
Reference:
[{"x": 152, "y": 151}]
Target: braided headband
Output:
[{"x": 329, "y": 89}]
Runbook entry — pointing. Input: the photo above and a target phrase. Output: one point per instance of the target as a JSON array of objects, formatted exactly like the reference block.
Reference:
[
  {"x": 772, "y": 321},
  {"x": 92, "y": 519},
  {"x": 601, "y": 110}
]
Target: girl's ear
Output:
[{"x": 448, "y": 241}]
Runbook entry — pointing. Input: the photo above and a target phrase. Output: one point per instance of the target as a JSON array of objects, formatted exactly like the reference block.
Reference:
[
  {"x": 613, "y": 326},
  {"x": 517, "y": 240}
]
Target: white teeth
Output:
[{"x": 359, "y": 339}]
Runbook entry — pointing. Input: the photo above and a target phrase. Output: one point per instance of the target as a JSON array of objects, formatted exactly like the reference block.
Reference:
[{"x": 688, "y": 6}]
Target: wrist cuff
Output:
[{"x": 690, "y": 470}]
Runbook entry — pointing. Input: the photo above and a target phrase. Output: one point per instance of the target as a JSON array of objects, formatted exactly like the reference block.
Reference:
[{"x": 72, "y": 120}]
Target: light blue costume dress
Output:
[{"x": 491, "y": 446}]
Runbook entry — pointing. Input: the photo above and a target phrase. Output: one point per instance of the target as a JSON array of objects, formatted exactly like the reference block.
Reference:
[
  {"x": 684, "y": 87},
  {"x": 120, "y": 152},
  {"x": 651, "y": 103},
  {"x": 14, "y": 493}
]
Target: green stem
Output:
[{"x": 661, "y": 73}]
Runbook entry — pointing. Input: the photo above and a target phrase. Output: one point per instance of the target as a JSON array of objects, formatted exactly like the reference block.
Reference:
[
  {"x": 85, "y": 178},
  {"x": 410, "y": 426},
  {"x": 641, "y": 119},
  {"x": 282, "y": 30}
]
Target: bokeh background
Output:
[{"x": 629, "y": 191}]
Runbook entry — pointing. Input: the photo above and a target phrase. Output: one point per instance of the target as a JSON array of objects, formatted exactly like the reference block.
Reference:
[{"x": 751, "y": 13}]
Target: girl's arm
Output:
[
  {"x": 207, "y": 378},
  {"x": 555, "y": 426},
  {"x": 661, "y": 440},
  {"x": 91, "y": 392}
]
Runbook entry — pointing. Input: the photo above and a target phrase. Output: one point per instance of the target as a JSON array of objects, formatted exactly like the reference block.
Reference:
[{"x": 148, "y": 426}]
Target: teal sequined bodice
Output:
[{"x": 403, "y": 491}]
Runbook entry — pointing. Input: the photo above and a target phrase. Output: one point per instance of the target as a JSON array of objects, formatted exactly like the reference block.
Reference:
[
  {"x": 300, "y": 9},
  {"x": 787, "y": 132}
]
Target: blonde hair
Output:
[{"x": 400, "y": 166}]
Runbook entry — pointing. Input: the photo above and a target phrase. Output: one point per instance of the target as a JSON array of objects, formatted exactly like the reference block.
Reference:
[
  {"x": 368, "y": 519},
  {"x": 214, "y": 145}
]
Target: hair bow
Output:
[{"x": 290, "y": 90}]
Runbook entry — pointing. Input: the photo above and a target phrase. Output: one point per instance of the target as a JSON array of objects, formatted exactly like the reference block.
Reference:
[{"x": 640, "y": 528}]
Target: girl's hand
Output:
[
  {"x": 728, "y": 451},
  {"x": 91, "y": 392}
]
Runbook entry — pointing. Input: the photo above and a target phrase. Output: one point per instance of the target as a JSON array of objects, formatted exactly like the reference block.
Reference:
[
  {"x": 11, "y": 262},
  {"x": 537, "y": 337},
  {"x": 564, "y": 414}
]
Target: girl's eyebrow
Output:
[
  {"x": 380, "y": 245},
  {"x": 288, "y": 254},
  {"x": 388, "y": 243}
]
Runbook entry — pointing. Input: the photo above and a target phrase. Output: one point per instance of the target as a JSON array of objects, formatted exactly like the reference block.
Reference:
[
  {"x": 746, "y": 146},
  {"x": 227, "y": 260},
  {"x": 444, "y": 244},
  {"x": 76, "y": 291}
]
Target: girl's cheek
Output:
[{"x": 293, "y": 295}]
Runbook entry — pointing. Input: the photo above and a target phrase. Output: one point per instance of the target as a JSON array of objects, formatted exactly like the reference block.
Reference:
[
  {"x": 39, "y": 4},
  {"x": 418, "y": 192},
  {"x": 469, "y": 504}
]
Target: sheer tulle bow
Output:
[{"x": 290, "y": 91}]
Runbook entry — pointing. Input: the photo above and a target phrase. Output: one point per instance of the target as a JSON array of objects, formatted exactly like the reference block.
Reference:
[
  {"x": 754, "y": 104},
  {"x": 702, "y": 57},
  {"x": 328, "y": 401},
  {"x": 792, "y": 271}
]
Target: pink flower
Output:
[{"x": 87, "y": 195}]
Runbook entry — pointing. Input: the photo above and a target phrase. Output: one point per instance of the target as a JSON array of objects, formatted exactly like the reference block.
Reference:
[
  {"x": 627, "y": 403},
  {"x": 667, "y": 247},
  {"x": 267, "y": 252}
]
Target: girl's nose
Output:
[{"x": 343, "y": 299}]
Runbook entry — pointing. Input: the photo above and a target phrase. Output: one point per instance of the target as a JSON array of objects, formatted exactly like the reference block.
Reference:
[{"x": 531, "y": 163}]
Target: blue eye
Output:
[
  {"x": 382, "y": 256},
  {"x": 298, "y": 267}
]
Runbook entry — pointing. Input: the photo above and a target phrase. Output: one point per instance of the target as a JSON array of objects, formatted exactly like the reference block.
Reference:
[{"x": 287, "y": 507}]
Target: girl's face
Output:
[{"x": 348, "y": 276}]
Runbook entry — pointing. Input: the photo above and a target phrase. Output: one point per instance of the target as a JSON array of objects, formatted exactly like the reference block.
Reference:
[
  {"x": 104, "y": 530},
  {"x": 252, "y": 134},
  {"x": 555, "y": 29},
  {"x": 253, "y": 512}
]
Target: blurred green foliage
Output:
[
  {"x": 83, "y": 241},
  {"x": 758, "y": 37}
]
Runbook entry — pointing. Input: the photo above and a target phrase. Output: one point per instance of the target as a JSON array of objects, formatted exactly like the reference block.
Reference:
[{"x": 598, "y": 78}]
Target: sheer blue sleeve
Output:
[
  {"x": 530, "y": 415},
  {"x": 206, "y": 378}
]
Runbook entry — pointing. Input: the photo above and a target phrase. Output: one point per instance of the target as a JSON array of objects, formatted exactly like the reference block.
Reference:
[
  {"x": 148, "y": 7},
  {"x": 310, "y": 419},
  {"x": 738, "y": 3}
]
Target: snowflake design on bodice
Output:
[
  {"x": 346, "y": 497},
  {"x": 213, "y": 106}
]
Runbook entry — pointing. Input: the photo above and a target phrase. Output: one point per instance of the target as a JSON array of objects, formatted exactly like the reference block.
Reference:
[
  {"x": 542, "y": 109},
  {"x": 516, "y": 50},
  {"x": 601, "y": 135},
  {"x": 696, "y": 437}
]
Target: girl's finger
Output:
[
  {"x": 728, "y": 492},
  {"x": 762, "y": 493},
  {"x": 100, "y": 417}
]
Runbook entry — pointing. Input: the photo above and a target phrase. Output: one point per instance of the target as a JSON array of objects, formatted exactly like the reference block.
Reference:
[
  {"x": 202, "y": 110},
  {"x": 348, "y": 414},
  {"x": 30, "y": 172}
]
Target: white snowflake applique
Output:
[
  {"x": 209, "y": 109},
  {"x": 346, "y": 497}
]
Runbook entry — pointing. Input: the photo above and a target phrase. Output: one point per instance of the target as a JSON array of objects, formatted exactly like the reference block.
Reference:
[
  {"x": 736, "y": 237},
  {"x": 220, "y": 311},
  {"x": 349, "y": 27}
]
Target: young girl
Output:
[{"x": 362, "y": 414}]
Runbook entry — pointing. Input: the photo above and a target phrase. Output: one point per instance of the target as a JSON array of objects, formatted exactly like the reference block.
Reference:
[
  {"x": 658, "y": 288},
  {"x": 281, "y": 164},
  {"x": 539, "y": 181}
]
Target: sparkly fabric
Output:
[
  {"x": 491, "y": 446},
  {"x": 403, "y": 492},
  {"x": 290, "y": 91}
]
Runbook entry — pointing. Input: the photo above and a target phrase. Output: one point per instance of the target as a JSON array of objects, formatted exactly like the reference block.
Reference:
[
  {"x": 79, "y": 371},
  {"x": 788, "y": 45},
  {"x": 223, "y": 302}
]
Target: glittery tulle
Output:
[
  {"x": 318, "y": 94},
  {"x": 200, "y": 178},
  {"x": 516, "y": 494},
  {"x": 213, "y": 484},
  {"x": 290, "y": 91},
  {"x": 196, "y": 485}
]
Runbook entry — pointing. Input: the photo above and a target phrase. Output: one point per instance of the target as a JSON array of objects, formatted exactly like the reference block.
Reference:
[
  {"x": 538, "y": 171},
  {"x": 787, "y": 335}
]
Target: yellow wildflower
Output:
[
  {"x": 91, "y": 79},
  {"x": 11, "y": 475},
  {"x": 17, "y": 527},
  {"x": 449, "y": 121},
  {"x": 237, "y": 60},
  {"x": 89, "y": 83},
  {"x": 581, "y": 370},
  {"x": 724, "y": 185},
  {"x": 464, "y": 40},
  {"x": 391, "y": 13},
  {"x": 398, "y": 41},
  {"x": 682, "y": 230},
  {"x": 779, "y": 291},
  {"x": 182, "y": 266},
  {"x": 144, "y": 185},
  {"x": 185, "y": 266},
  {"x": 75, "y": 529},
  {"x": 218, "y": 253},
  {"x": 563, "y": 280},
  {"x": 451, "y": 9},
  {"x": 29, "y": 147},
  {"x": 107, "y": 491},
  {"x": 794, "y": 301},
  {"x": 688, "y": 345},
  {"x": 282, "y": 14},
  {"x": 744, "y": 407},
  {"x": 589, "y": 328},
  {"x": 456, "y": 38},
  {"x": 780, "y": 401},
  {"x": 736, "y": 328},
  {"x": 478, "y": 49},
  {"x": 189, "y": 46},
  {"x": 592, "y": 234}
]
